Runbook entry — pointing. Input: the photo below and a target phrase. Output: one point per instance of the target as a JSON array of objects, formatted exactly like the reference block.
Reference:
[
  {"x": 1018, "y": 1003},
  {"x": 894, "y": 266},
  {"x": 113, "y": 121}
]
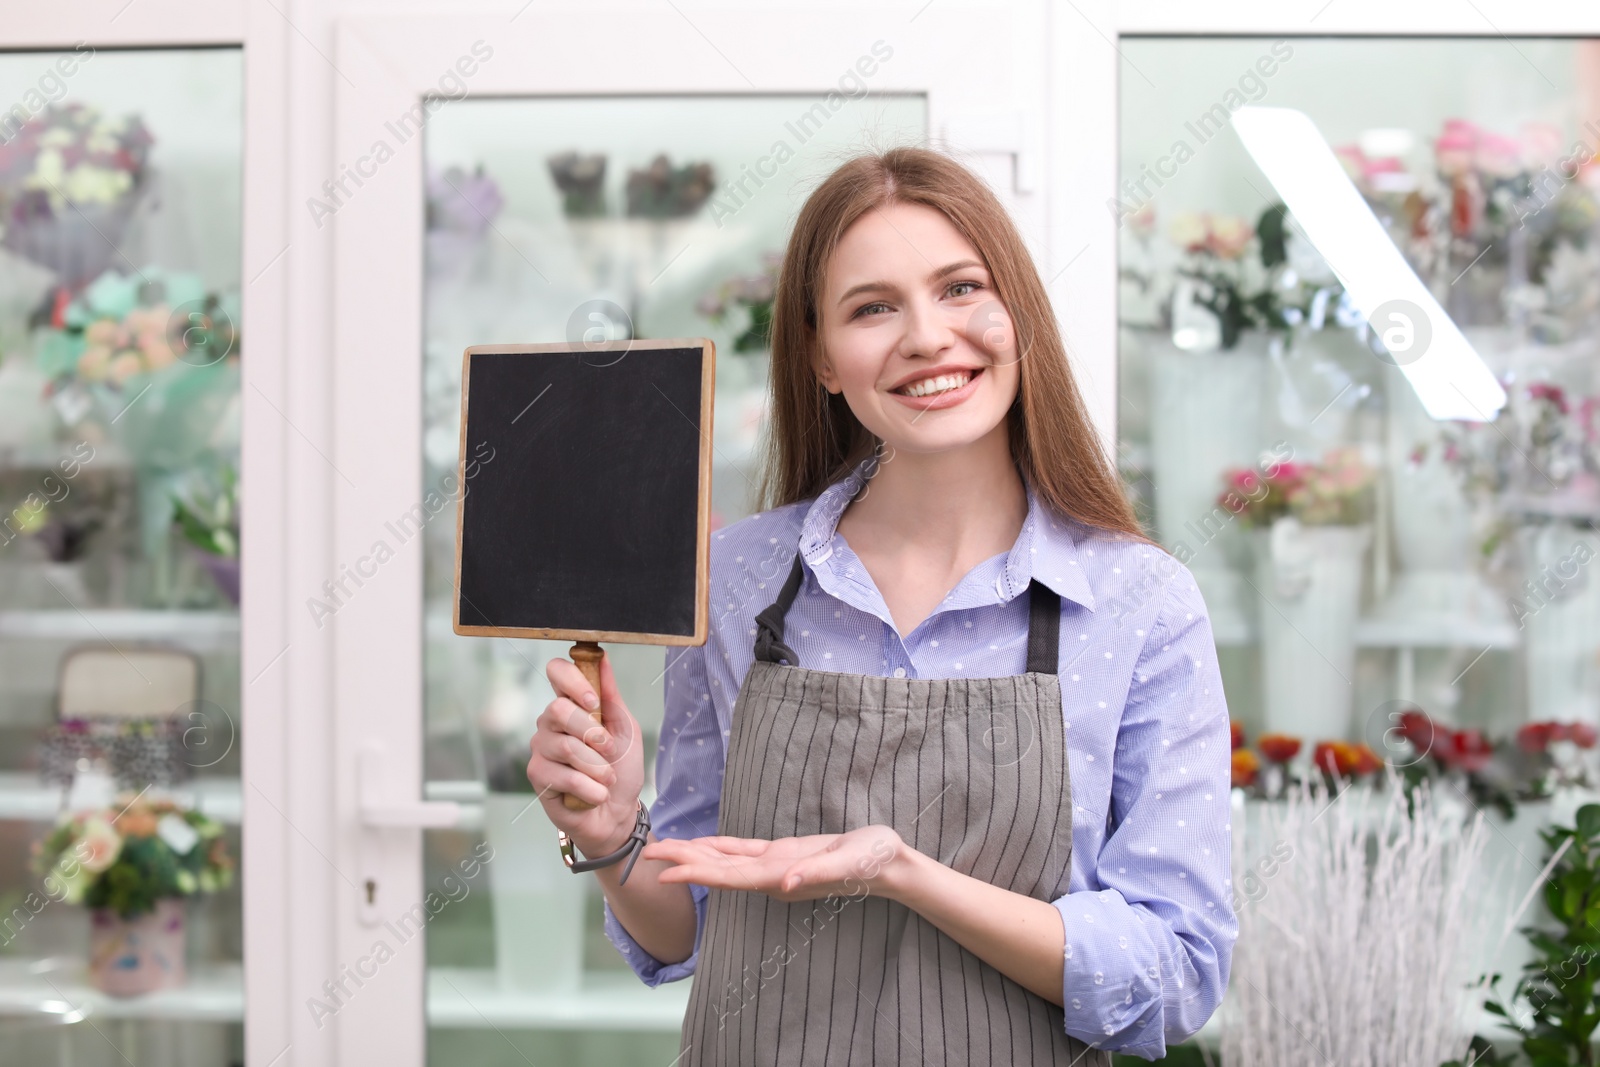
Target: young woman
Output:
[{"x": 948, "y": 783}]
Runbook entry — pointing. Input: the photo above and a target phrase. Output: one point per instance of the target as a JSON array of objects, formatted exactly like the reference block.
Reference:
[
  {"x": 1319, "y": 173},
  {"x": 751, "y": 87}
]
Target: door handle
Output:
[{"x": 379, "y": 813}]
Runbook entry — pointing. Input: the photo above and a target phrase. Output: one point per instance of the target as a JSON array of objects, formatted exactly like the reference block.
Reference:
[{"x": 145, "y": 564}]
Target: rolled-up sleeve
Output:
[
  {"x": 1147, "y": 953},
  {"x": 689, "y": 762}
]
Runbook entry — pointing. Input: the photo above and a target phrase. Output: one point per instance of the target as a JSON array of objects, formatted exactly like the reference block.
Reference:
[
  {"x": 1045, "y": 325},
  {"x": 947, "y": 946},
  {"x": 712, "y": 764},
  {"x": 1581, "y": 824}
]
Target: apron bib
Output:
[{"x": 969, "y": 771}]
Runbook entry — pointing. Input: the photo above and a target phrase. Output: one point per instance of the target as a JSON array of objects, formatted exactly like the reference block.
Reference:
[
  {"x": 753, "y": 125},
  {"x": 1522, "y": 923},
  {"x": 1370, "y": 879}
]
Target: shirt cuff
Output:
[
  {"x": 1113, "y": 974},
  {"x": 650, "y": 970}
]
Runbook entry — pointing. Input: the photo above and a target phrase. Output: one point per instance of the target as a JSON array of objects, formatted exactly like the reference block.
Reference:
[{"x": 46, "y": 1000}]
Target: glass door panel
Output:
[
  {"x": 120, "y": 237},
  {"x": 1390, "y": 500},
  {"x": 584, "y": 218}
]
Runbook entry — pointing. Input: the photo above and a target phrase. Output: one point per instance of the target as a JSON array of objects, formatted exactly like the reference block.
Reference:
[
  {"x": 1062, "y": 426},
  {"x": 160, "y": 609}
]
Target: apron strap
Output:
[
  {"x": 1044, "y": 624},
  {"x": 769, "y": 624},
  {"x": 1044, "y": 628}
]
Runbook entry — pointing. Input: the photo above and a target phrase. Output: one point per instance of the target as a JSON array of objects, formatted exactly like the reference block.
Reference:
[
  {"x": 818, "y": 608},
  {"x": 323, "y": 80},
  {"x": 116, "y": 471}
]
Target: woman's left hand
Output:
[{"x": 790, "y": 868}]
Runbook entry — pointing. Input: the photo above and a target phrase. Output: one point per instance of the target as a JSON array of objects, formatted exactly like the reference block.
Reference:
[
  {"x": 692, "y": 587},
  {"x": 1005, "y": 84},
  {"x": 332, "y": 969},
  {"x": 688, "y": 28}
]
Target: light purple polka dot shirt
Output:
[{"x": 1149, "y": 920}]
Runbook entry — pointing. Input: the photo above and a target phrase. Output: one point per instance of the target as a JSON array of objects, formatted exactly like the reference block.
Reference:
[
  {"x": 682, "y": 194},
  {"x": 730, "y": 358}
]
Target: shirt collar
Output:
[{"x": 1046, "y": 548}]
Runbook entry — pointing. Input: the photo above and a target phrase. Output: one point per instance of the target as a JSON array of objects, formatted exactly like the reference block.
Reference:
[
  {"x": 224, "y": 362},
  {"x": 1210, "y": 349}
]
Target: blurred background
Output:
[{"x": 1350, "y": 369}]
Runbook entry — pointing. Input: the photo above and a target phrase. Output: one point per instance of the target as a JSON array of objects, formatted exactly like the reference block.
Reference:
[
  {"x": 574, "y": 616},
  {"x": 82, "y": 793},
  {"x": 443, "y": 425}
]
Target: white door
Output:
[{"x": 490, "y": 222}]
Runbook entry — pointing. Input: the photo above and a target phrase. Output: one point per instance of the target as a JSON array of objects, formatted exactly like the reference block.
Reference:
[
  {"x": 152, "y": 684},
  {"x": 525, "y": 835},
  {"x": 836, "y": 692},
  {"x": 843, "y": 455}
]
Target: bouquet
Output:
[
  {"x": 1335, "y": 492},
  {"x": 68, "y": 180},
  {"x": 127, "y": 858},
  {"x": 1285, "y": 283}
]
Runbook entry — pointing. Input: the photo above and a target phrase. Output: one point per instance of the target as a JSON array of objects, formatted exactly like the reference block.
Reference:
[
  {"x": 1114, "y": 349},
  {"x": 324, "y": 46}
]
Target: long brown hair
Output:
[{"x": 813, "y": 438}]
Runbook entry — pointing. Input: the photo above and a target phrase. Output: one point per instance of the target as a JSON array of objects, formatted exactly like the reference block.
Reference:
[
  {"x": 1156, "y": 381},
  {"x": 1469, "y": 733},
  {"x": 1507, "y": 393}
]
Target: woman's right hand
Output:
[{"x": 601, "y": 763}]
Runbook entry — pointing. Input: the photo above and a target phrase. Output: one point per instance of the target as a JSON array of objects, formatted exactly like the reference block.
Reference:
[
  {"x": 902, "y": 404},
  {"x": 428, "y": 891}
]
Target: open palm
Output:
[{"x": 789, "y": 868}]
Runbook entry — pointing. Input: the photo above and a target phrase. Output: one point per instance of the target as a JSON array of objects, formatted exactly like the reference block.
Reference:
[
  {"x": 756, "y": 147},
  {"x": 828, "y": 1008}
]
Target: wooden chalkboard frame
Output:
[{"x": 702, "y": 585}]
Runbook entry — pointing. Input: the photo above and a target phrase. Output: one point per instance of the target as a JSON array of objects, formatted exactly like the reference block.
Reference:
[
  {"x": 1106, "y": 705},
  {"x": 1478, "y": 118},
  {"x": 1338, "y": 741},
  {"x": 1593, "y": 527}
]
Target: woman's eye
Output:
[
  {"x": 957, "y": 285},
  {"x": 864, "y": 308}
]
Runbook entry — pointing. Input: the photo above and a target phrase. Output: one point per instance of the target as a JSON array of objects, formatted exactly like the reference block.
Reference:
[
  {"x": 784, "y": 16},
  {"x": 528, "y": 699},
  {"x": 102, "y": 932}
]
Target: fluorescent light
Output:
[{"x": 1449, "y": 376}]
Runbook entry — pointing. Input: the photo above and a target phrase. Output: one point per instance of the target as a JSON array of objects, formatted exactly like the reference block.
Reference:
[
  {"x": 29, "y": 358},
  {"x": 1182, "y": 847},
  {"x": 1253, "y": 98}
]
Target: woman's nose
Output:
[{"x": 928, "y": 329}]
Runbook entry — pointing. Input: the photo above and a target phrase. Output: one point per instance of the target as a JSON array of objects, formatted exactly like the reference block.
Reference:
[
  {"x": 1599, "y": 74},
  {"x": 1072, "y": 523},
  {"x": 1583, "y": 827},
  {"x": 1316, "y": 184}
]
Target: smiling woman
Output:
[{"x": 878, "y": 833}]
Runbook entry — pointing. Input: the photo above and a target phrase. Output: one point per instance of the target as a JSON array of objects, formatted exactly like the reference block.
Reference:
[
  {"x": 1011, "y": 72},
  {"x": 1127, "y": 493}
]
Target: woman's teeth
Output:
[{"x": 943, "y": 383}]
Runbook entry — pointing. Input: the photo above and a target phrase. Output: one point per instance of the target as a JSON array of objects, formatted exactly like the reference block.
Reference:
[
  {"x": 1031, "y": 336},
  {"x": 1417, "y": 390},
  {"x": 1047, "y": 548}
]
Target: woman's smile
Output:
[{"x": 936, "y": 391}]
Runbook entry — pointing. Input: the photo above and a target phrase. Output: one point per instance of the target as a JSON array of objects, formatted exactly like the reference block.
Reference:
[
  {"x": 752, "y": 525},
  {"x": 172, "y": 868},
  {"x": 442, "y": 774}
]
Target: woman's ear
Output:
[{"x": 823, "y": 370}]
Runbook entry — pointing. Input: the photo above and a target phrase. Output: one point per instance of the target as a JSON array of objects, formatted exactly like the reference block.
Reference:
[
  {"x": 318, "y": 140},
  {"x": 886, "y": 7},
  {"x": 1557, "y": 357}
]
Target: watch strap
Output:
[{"x": 630, "y": 848}]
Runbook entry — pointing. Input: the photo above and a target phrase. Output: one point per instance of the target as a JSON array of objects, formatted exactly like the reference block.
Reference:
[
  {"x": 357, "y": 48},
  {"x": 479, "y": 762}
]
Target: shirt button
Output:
[{"x": 899, "y": 672}]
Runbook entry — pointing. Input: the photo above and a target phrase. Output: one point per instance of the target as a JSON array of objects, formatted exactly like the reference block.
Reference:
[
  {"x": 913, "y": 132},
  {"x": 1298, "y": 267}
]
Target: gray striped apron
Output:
[{"x": 970, "y": 771}]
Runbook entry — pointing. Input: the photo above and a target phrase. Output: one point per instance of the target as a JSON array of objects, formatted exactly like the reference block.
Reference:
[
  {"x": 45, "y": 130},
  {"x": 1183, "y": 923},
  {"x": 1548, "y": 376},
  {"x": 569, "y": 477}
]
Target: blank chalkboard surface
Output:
[{"x": 591, "y": 519}]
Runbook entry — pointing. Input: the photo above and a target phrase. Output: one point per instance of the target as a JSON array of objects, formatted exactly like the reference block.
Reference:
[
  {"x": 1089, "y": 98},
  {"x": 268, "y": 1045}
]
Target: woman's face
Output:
[{"x": 908, "y": 308}]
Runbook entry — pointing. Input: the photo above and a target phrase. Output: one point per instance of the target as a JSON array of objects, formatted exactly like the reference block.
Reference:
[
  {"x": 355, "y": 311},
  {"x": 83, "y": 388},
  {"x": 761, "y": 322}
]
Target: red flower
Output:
[
  {"x": 1367, "y": 760},
  {"x": 1245, "y": 767},
  {"x": 1416, "y": 727},
  {"x": 1333, "y": 757},
  {"x": 1536, "y": 736},
  {"x": 1344, "y": 759},
  {"x": 1467, "y": 749},
  {"x": 1582, "y": 734},
  {"x": 1552, "y": 394},
  {"x": 1279, "y": 748},
  {"x": 1237, "y": 729}
]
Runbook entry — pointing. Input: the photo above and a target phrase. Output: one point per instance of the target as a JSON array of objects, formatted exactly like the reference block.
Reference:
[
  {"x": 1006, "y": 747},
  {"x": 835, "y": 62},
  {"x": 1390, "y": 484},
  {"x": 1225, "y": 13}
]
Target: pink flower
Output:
[
  {"x": 1244, "y": 479},
  {"x": 1550, "y": 393},
  {"x": 1229, "y": 237},
  {"x": 1455, "y": 147},
  {"x": 1499, "y": 156},
  {"x": 99, "y": 846}
]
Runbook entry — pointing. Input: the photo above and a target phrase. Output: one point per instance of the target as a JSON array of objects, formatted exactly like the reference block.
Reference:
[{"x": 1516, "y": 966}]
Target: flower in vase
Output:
[
  {"x": 1279, "y": 748},
  {"x": 1455, "y": 149},
  {"x": 1245, "y": 768},
  {"x": 1363, "y": 169},
  {"x": 1189, "y": 231},
  {"x": 1229, "y": 236},
  {"x": 1535, "y": 737},
  {"x": 1367, "y": 761},
  {"x": 1344, "y": 759},
  {"x": 1499, "y": 156},
  {"x": 1466, "y": 750},
  {"x": 1549, "y": 393},
  {"x": 138, "y": 823},
  {"x": 1582, "y": 734},
  {"x": 124, "y": 365},
  {"x": 1236, "y": 728},
  {"x": 99, "y": 845}
]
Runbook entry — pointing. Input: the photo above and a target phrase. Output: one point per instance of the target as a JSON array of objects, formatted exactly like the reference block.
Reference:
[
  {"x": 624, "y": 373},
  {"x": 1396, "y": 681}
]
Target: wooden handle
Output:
[{"x": 587, "y": 655}]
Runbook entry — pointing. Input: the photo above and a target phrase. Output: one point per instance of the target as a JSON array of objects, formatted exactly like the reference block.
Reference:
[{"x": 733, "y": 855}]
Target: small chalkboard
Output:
[{"x": 591, "y": 519}]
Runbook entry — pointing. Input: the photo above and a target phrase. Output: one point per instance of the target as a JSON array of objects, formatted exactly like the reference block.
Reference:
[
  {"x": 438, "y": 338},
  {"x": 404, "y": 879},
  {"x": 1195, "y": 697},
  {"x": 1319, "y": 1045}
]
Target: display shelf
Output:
[
  {"x": 458, "y": 998},
  {"x": 24, "y": 798},
  {"x": 472, "y": 998},
  {"x": 208, "y": 628},
  {"x": 214, "y": 992},
  {"x": 1421, "y": 631}
]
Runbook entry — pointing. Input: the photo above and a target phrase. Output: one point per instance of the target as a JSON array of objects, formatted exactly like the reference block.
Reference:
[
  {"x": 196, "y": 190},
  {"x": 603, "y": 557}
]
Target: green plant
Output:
[
  {"x": 1559, "y": 982},
  {"x": 210, "y": 520}
]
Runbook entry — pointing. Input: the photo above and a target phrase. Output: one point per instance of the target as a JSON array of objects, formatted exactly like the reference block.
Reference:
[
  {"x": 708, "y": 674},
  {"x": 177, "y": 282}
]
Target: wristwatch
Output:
[{"x": 630, "y": 848}]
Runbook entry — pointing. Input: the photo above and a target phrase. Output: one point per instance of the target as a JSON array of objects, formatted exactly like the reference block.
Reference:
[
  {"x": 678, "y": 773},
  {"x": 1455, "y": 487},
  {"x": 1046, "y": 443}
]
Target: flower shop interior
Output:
[{"x": 1329, "y": 277}]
